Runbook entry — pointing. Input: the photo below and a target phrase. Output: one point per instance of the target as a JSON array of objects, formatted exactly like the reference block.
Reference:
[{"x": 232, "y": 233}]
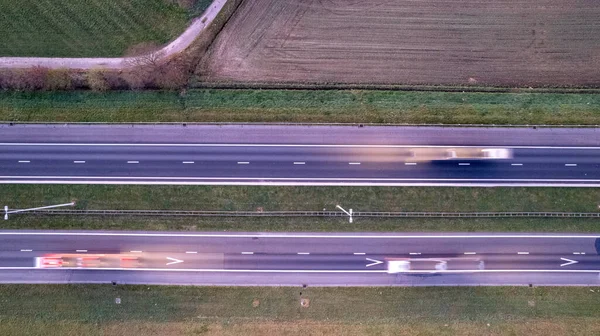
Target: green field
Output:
[
  {"x": 247, "y": 198},
  {"x": 87, "y": 28},
  {"x": 149, "y": 310},
  {"x": 209, "y": 105}
]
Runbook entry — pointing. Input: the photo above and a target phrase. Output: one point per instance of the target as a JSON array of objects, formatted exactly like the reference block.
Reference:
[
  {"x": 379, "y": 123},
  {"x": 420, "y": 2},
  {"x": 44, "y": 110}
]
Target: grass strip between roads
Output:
[
  {"x": 333, "y": 106},
  {"x": 148, "y": 310},
  {"x": 255, "y": 198}
]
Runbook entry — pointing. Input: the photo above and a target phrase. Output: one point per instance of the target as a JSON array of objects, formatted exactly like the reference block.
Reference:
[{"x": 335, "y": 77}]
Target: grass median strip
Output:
[
  {"x": 251, "y": 198},
  {"x": 92, "y": 310},
  {"x": 330, "y": 106}
]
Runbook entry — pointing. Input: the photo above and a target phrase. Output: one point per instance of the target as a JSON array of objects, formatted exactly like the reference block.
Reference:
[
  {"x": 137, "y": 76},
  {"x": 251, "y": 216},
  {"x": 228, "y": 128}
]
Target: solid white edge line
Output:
[
  {"x": 171, "y": 178},
  {"x": 263, "y": 235},
  {"x": 281, "y": 145},
  {"x": 291, "y": 271}
]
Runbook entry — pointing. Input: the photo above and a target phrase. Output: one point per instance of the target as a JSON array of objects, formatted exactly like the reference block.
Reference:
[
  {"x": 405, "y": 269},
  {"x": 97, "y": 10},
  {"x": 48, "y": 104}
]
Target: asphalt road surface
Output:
[
  {"x": 299, "y": 155},
  {"x": 297, "y": 259}
]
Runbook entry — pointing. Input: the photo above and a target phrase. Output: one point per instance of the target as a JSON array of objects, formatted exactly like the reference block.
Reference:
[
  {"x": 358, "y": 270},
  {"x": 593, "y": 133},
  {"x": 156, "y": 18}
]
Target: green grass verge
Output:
[
  {"x": 275, "y": 224},
  {"x": 148, "y": 310},
  {"x": 93, "y": 28},
  {"x": 248, "y": 198},
  {"x": 209, "y": 105}
]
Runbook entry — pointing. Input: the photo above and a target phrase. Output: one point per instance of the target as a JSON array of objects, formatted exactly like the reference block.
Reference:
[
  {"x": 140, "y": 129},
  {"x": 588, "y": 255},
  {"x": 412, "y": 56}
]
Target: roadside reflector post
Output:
[{"x": 6, "y": 212}]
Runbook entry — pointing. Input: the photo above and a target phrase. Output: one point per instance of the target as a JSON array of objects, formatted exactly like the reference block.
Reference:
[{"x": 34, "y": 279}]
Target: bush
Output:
[
  {"x": 59, "y": 79},
  {"x": 97, "y": 81}
]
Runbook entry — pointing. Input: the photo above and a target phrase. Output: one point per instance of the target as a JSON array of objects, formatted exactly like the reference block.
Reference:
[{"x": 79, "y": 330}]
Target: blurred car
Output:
[
  {"x": 434, "y": 265},
  {"x": 424, "y": 154},
  {"x": 71, "y": 260}
]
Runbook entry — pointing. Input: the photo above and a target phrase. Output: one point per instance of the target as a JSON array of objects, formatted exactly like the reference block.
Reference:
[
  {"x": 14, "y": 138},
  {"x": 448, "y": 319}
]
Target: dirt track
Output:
[{"x": 481, "y": 42}]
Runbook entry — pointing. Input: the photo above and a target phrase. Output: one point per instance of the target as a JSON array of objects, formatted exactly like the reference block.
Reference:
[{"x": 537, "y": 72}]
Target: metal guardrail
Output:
[{"x": 380, "y": 214}]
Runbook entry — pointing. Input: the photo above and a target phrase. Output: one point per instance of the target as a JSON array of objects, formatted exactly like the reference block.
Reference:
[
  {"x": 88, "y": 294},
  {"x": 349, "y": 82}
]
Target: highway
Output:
[
  {"x": 299, "y": 258},
  {"x": 293, "y": 155}
]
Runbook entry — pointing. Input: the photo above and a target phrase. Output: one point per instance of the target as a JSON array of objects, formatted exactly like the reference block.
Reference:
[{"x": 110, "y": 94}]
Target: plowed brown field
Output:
[{"x": 481, "y": 42}]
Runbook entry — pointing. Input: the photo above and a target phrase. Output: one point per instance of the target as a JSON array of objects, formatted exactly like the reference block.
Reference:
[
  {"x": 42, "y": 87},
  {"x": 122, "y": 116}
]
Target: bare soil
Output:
[{"x": 480, "y": 42}]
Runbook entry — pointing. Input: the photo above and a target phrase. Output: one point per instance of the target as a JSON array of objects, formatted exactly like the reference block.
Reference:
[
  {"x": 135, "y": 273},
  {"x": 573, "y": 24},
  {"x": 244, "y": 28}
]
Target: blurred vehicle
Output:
[
  {"x": 461, "y": 153},
  {"x": 72, "y": 260},
  {"x": 433, "y": 265}
]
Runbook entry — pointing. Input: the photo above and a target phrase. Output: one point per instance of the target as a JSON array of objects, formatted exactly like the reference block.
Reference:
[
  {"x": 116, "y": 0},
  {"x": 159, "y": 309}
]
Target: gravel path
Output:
[{"x": 179, "y": 44}]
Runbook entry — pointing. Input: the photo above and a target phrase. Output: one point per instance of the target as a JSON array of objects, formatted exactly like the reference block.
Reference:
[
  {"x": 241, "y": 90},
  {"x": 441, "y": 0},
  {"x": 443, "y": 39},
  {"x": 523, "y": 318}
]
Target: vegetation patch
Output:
[
  {"x": 334, "y": 106},
  {"x": 92, "y": 28},
  {"x": 91, "y": 310}
]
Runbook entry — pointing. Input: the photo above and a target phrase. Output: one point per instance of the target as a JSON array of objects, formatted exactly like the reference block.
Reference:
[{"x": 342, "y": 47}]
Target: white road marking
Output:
[
  {"x": 299, "y": 163},
  {"x": 303, "y": 253},
  {"x": 522, "y": 252},
  {"x": 187, "y": 162},
  {"x": 135, "y": 251},
  {"x": 133, "y": 162},
  {"x": 464, "y": 164},
  {"x": 410, "y": 163},
  {"x": 173, "y": 261},
  {"x": 578, "y": 252},
  {"x": 247, "y": 252},
  {"x": 516, "y": 164},
  {"x": 570, "y": 164},
  {"x": 206, "y": 270},
  {"x": 78, "y": 161},
  {"x": 24, "y": 250},
  {"x": 470, "y": 253},
  {"x": 81, "y": 251},
  {"x": 24, "y": 161},
  {"x": 415, "y": 253},
  {"x": 359, "y": 253},
  {"x": 191, "y": 252},
  {"x": 278, "y": 236},
  {"x": 243, "y": 162},
  {"x": 353, "y": 163},
  {"x": 373, "y": 262},
  {"x": 568, "y": 262},
  {"x": 278, "y": 145}
]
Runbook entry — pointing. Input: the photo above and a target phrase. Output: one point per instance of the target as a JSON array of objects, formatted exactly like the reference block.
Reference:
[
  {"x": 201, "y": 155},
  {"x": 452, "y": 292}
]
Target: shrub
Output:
[
  {"x": 97, "y": 81},
  {"x": 59, "y": 79}
]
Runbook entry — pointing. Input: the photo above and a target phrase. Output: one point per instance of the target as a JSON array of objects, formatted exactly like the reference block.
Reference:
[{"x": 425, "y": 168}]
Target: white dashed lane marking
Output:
[
  {"x": 25, "y": 250},
  {"x": 464, "y": 164},
  {"x": 522, "y": 252},
  {"x": 188, "y": 162},
  {"x": 516, "y": 164},
  {"x": 243, "y": 162},
  {"x": 353, "y": 163},
  {"x": 299, "y": 163},
  {"x": 247, "y": 252},
  {"x": 133, "y": 162},
  {"x": 78, "y": 161},
  {"x": 24, "y": 161},
  {"x": 570, "y": 164}
]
